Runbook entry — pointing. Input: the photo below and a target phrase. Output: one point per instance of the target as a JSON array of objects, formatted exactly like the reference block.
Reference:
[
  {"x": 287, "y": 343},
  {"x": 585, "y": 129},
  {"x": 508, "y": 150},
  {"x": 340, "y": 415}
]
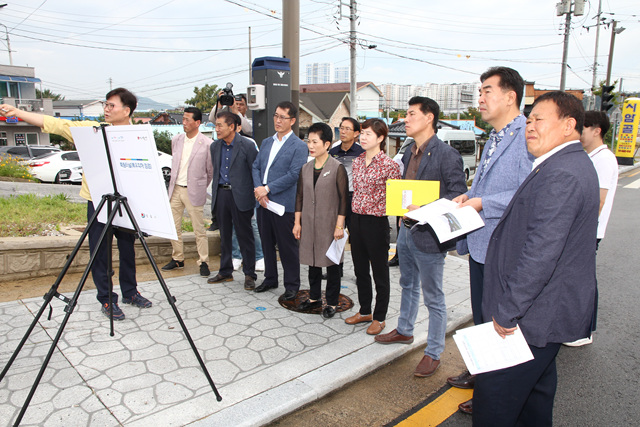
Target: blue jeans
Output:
[
  {"x": 235, "y": 247},
  {"x": 419, "y": 269}
]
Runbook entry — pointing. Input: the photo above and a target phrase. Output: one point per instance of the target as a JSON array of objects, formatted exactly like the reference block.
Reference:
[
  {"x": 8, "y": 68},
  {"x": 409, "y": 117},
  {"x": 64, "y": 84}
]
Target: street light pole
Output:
[
  {"x": 6, "y": 31},
  {"x": 614, "y": 31}
]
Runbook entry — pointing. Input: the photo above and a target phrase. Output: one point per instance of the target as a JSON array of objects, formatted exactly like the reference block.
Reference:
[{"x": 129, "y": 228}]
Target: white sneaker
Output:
[
  {"x": 236, "y": 264},
  {"x": 260, "y": 265},
  {"x": 580, "y": 342}
]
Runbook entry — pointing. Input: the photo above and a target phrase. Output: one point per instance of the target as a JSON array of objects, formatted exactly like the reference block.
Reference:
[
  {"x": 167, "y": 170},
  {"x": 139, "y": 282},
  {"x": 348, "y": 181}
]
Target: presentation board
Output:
[{"x": 138, "y": 176}]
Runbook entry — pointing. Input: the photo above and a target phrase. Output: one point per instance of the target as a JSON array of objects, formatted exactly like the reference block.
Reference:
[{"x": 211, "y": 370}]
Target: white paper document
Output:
[
  {"x": 483, "y": 350},
  {"x": 276, "y": 208},
  {"x": 334, "y": 253},
  {"x": 447, "y": 220}
]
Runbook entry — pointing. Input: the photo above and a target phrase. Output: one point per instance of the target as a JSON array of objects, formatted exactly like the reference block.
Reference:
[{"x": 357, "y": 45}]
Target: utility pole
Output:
[
  {"x": 352, "y": 68},
  {"x": 110, "y": 84},
  {"x": 250, "y": 76},
  {"x": 291, "y": 48},
  {"x": 595, "y": 57},
  {"x": 614, "y": 31},
  {"x": 564, "y": 8}
]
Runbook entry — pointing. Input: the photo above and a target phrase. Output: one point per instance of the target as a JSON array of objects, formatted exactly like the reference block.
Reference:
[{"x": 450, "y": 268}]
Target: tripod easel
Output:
[{"x": 115, "y": 203}]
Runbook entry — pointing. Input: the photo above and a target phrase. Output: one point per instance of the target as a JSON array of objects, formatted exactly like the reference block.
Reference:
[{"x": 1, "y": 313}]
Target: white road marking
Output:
[{"x": 635, "y": 184}]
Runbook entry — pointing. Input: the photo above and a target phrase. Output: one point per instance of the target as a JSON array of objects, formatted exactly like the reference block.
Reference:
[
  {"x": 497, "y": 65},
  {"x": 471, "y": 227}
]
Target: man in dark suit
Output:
[
  {"x": 232, "y": 156},
  {"x": 275, "y": 178},
  {"x": 420, "y": 253},
  {"x": 540, "y": 266}
]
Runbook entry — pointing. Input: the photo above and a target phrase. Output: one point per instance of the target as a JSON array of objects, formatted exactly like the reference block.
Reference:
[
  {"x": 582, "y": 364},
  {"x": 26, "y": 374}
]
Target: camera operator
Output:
[{"x": 237, "y": 105}]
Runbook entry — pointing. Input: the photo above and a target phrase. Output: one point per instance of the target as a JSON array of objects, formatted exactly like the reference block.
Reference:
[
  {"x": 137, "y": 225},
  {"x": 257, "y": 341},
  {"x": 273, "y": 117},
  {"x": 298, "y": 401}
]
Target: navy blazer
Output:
[
  {"x": 509, "y": 166},
  {"x": 243, "y": 154},
  {"x": 440, "y": 162},
  {"x": 284, "y": 171},
  {"x": 540, "y": 271}
]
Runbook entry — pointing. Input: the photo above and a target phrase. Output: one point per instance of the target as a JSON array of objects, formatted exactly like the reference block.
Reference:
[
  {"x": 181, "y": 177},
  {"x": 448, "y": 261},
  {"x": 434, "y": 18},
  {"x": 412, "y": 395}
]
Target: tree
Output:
[
  {"x": 47, "y": 93},
  {"x": 472, "y": 114},
  {"x": 205, "y": 97},
  {"x": 163, "y": 141}
]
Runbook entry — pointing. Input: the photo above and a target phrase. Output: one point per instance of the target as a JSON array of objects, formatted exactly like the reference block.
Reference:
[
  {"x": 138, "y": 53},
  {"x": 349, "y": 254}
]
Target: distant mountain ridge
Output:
[{"x": 146, "y": 104}]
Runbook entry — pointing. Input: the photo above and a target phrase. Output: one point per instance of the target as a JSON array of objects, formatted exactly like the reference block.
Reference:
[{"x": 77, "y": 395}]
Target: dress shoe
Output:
[
  {"x": 328, "y": 312},
  {"x": 466, "y": 407},
  {"x": 464, "y": 380},
  {"x": 426, "y": 367},
  {"x": 204, "y": 270},
  {"x": 219, "y": 278},
  {"x": 290, "y": 295},
  {"x": 173, "y": 264},
  {"x": 393, "y": 262},
  {"x": 309, "y": 305},
  {"x": 358, "y": 318},
  {"x": 265, "y": 287},
  {"x": 249, "y": 283},
  {"x": 394, "y": 337},
  {"x": 375, "y": 328}
]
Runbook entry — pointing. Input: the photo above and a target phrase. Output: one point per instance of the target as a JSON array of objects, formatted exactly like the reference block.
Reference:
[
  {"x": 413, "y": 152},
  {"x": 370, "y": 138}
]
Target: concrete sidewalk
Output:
[{"x": 266, "y": 361}]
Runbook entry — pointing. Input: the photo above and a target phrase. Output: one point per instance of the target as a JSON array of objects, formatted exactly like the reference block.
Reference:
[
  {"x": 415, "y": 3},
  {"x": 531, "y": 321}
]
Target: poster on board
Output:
[{"x": 138, "y": 176}]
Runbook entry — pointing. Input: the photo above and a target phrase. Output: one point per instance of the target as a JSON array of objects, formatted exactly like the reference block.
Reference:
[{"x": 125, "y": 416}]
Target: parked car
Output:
[
  {"x": 164, "y": 160},
  {"x": 27, "y": 152},
  {"x": 57, "y": 167}
]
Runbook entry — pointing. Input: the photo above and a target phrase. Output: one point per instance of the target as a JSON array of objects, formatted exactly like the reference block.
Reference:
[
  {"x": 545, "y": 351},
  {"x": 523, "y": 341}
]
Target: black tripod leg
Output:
[
  {"x": 170, "y": 298},
  {"x": 52, "y": 293},
  {"x": 68, "y": 309}
]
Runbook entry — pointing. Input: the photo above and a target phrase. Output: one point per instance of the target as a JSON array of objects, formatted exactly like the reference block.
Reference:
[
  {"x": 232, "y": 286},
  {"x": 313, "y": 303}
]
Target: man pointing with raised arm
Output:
[{"x": 118, "y": 109}]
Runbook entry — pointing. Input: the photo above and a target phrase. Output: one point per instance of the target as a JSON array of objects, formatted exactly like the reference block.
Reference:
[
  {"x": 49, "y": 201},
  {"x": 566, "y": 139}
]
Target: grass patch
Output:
[
  {"x": 10, "y": 166},
  {"x": 28, "y": 214}
]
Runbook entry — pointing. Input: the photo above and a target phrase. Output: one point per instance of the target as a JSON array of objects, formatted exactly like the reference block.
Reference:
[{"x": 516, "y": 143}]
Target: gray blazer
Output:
[
  {"x": 284, "y": 171},
  {"x": 509, "y": 166},
  {"x": 443, "y": 163},
  {"x": 540, "y": 271},
  {"x": 242, "y": 156}
]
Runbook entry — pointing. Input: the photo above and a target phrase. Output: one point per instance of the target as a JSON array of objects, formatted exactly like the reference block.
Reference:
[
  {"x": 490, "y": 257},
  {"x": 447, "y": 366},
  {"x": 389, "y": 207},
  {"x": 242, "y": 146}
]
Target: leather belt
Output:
[{"x": 225, "y": 186}]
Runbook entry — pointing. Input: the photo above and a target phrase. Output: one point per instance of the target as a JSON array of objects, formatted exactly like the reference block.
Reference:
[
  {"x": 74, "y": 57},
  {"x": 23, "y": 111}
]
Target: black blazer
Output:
[
  {"x": 440, "y": 162},
  {"x": 540, "y": 271},
  {"x": 242, "y": 156}
]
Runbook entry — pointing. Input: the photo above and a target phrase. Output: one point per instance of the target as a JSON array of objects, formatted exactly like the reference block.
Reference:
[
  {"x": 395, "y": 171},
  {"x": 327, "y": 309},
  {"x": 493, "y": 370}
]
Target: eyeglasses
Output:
[
  {"x": 278, "y": 117},
  {"x": 345, "y": 129},
  {"x": 108, "y": 106}
]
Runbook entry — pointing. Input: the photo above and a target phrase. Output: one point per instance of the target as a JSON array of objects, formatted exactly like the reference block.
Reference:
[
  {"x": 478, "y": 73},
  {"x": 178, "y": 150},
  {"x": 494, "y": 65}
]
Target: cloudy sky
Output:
[{"x": 162, "y": 49}]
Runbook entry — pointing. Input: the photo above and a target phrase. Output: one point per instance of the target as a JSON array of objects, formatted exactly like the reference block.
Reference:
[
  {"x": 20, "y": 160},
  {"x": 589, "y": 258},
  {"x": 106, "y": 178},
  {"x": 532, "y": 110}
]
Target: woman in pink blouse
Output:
[{"x": 369, "y": 225}]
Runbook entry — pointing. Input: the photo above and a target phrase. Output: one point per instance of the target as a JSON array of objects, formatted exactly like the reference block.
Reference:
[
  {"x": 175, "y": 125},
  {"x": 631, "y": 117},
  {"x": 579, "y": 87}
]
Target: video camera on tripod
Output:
[{"x": 227, "y": 99}]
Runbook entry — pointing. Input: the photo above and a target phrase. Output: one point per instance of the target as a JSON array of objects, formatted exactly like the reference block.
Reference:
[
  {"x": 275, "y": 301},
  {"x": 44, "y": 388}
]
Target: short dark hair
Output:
[
  {"x": 229, "y": 118},
  {"x": 241, "y": 96},
  {"x": 291, "y": 109},
  {"x": 510, "y": 79},
  {"x": 323, "y": 130},
  {"x": 379, "y": 128},
  {"x": 427, "y": 105},
  {"x": 567, "y": 106},
  {"x": 597, "y": 119},
  {"x": 127, "y": 98},
  {"x": 195, "y": 111},
  {"x": 354, "y": 122}
]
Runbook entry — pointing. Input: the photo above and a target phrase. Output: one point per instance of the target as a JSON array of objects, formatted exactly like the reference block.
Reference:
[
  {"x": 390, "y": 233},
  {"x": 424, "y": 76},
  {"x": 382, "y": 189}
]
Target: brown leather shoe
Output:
[
  {"x": 466, "y": 407},
  {"x": 219, "y": 278},
  {"x": 375, "y": 328},
  {"x": 464, "y": 380},
  {"x": 358, "y": 318},
  {"x": 249, "y": 283},
  {"x": 394, "y": 337},
  {"x": 426, "y": 367}
]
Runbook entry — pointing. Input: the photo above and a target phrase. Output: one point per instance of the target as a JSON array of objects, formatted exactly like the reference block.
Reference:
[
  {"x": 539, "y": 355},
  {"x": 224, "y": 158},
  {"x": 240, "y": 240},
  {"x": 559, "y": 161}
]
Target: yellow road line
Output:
[
  {"x": 633, "y": 174},
  {"x": 439, "y": 410}
]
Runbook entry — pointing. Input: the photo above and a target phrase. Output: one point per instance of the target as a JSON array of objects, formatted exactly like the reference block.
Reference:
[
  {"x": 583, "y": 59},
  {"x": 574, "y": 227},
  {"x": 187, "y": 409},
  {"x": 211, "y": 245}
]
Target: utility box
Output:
[{"x": 275, "y": 75}]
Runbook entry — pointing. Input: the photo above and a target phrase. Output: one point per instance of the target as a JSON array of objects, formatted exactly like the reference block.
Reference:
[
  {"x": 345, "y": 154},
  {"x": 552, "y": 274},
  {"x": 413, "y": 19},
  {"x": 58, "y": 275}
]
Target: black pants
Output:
[
  {"x": 476, "y": 279},
  {"x": 278, "y": 230},
  {"x": 229, "y": 217},
  {"x": 518, "y": 396},
  {"x": 333, "y": 283},
  {"x": 370, "y": 246},
  {"x": 99, "y": 270}
]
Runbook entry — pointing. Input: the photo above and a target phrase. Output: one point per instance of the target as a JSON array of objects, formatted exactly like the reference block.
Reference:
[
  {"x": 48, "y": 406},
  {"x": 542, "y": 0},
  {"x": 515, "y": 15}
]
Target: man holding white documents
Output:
[
  {"x": 505, "y": 163},
  {"x": 540, "y": 266},
  {"x": 420, "y": 253},
  {"x": 275, "y": 179}
]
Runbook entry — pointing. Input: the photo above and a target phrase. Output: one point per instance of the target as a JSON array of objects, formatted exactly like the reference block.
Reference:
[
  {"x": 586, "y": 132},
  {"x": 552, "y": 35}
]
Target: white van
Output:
[{"x": 462, "y": 140}]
